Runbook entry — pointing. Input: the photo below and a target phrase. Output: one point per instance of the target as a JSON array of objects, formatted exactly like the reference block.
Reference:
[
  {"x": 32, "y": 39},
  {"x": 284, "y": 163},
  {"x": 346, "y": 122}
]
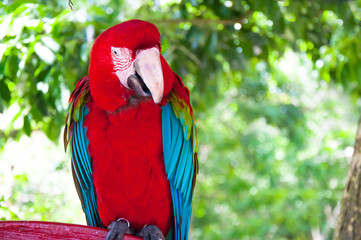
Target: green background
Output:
[{"x": 275, "y": 87}]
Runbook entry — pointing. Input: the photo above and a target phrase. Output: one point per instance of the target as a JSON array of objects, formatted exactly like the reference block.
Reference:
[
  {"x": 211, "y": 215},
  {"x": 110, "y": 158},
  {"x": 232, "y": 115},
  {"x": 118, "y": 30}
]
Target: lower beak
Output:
[{"x": 148, "y": 79}]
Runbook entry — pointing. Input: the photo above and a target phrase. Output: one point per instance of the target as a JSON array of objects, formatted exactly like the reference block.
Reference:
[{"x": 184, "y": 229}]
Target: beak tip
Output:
[{"x": 157, "y": 99}]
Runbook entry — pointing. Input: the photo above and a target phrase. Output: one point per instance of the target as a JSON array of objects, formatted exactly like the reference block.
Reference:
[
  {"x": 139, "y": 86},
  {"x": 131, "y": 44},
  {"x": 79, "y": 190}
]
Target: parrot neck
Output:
[{"x": 107, "y": 92}]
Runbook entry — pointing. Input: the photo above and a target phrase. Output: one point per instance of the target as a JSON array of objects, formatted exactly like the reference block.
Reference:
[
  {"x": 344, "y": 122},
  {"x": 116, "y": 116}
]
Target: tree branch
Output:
[
  {"x": 195, "y": 21},
  {"x": 202, "y": 21},
  {"x": 70, "y": 3}
]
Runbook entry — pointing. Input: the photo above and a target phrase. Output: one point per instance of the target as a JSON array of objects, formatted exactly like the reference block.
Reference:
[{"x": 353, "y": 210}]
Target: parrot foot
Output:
[
  {"x": 118, "y": 228},
  {"x": 151, "y": 232}
]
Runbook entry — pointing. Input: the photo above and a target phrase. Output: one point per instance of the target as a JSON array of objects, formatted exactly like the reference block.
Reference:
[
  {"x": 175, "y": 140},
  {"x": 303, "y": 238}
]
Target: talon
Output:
[
  {"x": 118, "y": 228},
  {"x": 125, "y": 220},
  {"x": 151, "y": 232}
]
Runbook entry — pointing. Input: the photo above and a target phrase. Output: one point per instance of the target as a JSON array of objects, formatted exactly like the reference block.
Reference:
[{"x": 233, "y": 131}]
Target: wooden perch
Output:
[{"x": 31, "y": 230}]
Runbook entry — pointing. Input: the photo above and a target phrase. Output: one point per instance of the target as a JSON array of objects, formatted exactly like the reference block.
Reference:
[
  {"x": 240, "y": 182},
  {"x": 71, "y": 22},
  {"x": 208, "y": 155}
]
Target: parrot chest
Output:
[{"x": 128, "y": 166}]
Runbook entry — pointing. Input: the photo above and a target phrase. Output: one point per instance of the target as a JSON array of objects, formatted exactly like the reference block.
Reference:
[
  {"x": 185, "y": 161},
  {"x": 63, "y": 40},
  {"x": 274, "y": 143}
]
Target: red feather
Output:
[{"x": 128, "y": 166}]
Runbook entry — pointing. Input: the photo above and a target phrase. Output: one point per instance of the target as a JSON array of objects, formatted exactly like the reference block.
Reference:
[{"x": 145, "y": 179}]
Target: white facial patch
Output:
[{"x": 122, "y": 62}]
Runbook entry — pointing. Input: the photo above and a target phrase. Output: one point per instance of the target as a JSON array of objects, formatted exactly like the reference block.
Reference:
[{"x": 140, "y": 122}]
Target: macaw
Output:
[{"x": 132, "y": 135}]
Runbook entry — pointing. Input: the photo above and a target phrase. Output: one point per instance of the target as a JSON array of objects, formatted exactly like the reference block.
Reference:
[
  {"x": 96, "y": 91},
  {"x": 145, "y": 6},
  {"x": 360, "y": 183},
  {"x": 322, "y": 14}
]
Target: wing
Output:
[
  {"x": 180, "y": 160},
  {"x": 75, "y": 133}
]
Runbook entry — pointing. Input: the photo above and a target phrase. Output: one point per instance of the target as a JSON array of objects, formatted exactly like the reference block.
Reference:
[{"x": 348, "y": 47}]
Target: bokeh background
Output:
[{"x": 275, "y": 87}]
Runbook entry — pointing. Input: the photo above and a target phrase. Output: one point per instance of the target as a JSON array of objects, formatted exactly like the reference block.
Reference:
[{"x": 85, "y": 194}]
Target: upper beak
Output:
[{"x": 148, "y": 79}]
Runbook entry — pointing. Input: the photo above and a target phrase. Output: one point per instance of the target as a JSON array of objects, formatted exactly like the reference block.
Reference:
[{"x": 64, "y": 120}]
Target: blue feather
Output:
[
  {"x": 182, "y": 164},
  {"x": 166, "y": 132},
  {"x": 186, "y": 183},
  {"x": 80, "y": 154},
  {"x": 178, "y": 161},
  {"x": 85, "y": 145},
  {"x": 189, "y": 190},
  {"x": 83, "y": 172},
  {"x": 74, "y": 154},
  {"x": 176, "y": 140}
]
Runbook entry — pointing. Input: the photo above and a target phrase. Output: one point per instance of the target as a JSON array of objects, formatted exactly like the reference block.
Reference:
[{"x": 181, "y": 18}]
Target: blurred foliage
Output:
[{"x": 275, "y": 88}]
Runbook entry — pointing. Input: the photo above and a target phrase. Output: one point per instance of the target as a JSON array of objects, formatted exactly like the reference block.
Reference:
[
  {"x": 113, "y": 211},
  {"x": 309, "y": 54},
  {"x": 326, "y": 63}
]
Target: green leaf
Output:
[
  {"x": 27, "y": 125},
  {"x": 4, "y": 92},
  {"x": 12, "y": 66}
]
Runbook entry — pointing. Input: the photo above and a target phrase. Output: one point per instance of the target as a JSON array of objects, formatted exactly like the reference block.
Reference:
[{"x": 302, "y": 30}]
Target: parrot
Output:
[{"x": 132, "y": 136}]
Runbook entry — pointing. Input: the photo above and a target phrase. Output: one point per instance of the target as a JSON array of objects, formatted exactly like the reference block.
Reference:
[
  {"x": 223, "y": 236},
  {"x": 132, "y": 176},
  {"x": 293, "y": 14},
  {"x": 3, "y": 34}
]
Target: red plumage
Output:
[
  {"x": 124, "y": 129},
  {"x": 129, "y": 175}
]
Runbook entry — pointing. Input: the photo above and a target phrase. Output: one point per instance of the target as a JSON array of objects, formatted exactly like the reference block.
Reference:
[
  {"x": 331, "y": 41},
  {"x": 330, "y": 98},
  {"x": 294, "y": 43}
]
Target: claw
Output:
[
  {"x": 118, "y": 228},
  {"x": 151, "y": 232}
]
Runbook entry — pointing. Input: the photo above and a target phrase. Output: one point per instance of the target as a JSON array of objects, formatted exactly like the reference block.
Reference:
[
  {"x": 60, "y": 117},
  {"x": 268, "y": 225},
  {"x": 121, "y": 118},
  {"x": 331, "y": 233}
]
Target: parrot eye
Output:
[{"x": 116, "y": 51}]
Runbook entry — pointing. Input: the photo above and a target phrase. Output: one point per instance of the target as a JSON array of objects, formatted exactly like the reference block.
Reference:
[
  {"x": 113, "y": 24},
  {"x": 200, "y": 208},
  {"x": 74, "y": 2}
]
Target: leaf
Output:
[
  {"x": 19, "y": 3},
  {"x": 11, "y": 66},
  {"x": 1, "y": 111},
  {"x": 36, "y": 114},
  {"x": 4, "y": 92},
  {"x": 44, "y": 53},
  {"x": 4, "y": 26},
  {"x": 52, "y": 130},
  {"x": 27, "y": 125},
  {"x": 51, "y": 43},
  {"x": 212, "y": 43}
]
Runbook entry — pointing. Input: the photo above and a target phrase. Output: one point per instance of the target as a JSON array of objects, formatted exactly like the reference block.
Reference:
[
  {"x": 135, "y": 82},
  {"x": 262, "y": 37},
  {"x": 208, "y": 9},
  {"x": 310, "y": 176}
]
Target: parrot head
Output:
[{"x": 126, "y": 64}]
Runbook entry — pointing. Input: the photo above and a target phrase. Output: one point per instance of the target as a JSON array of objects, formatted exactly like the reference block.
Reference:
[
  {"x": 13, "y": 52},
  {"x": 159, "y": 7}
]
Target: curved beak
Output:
[{"x": 148, "y": 79}]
